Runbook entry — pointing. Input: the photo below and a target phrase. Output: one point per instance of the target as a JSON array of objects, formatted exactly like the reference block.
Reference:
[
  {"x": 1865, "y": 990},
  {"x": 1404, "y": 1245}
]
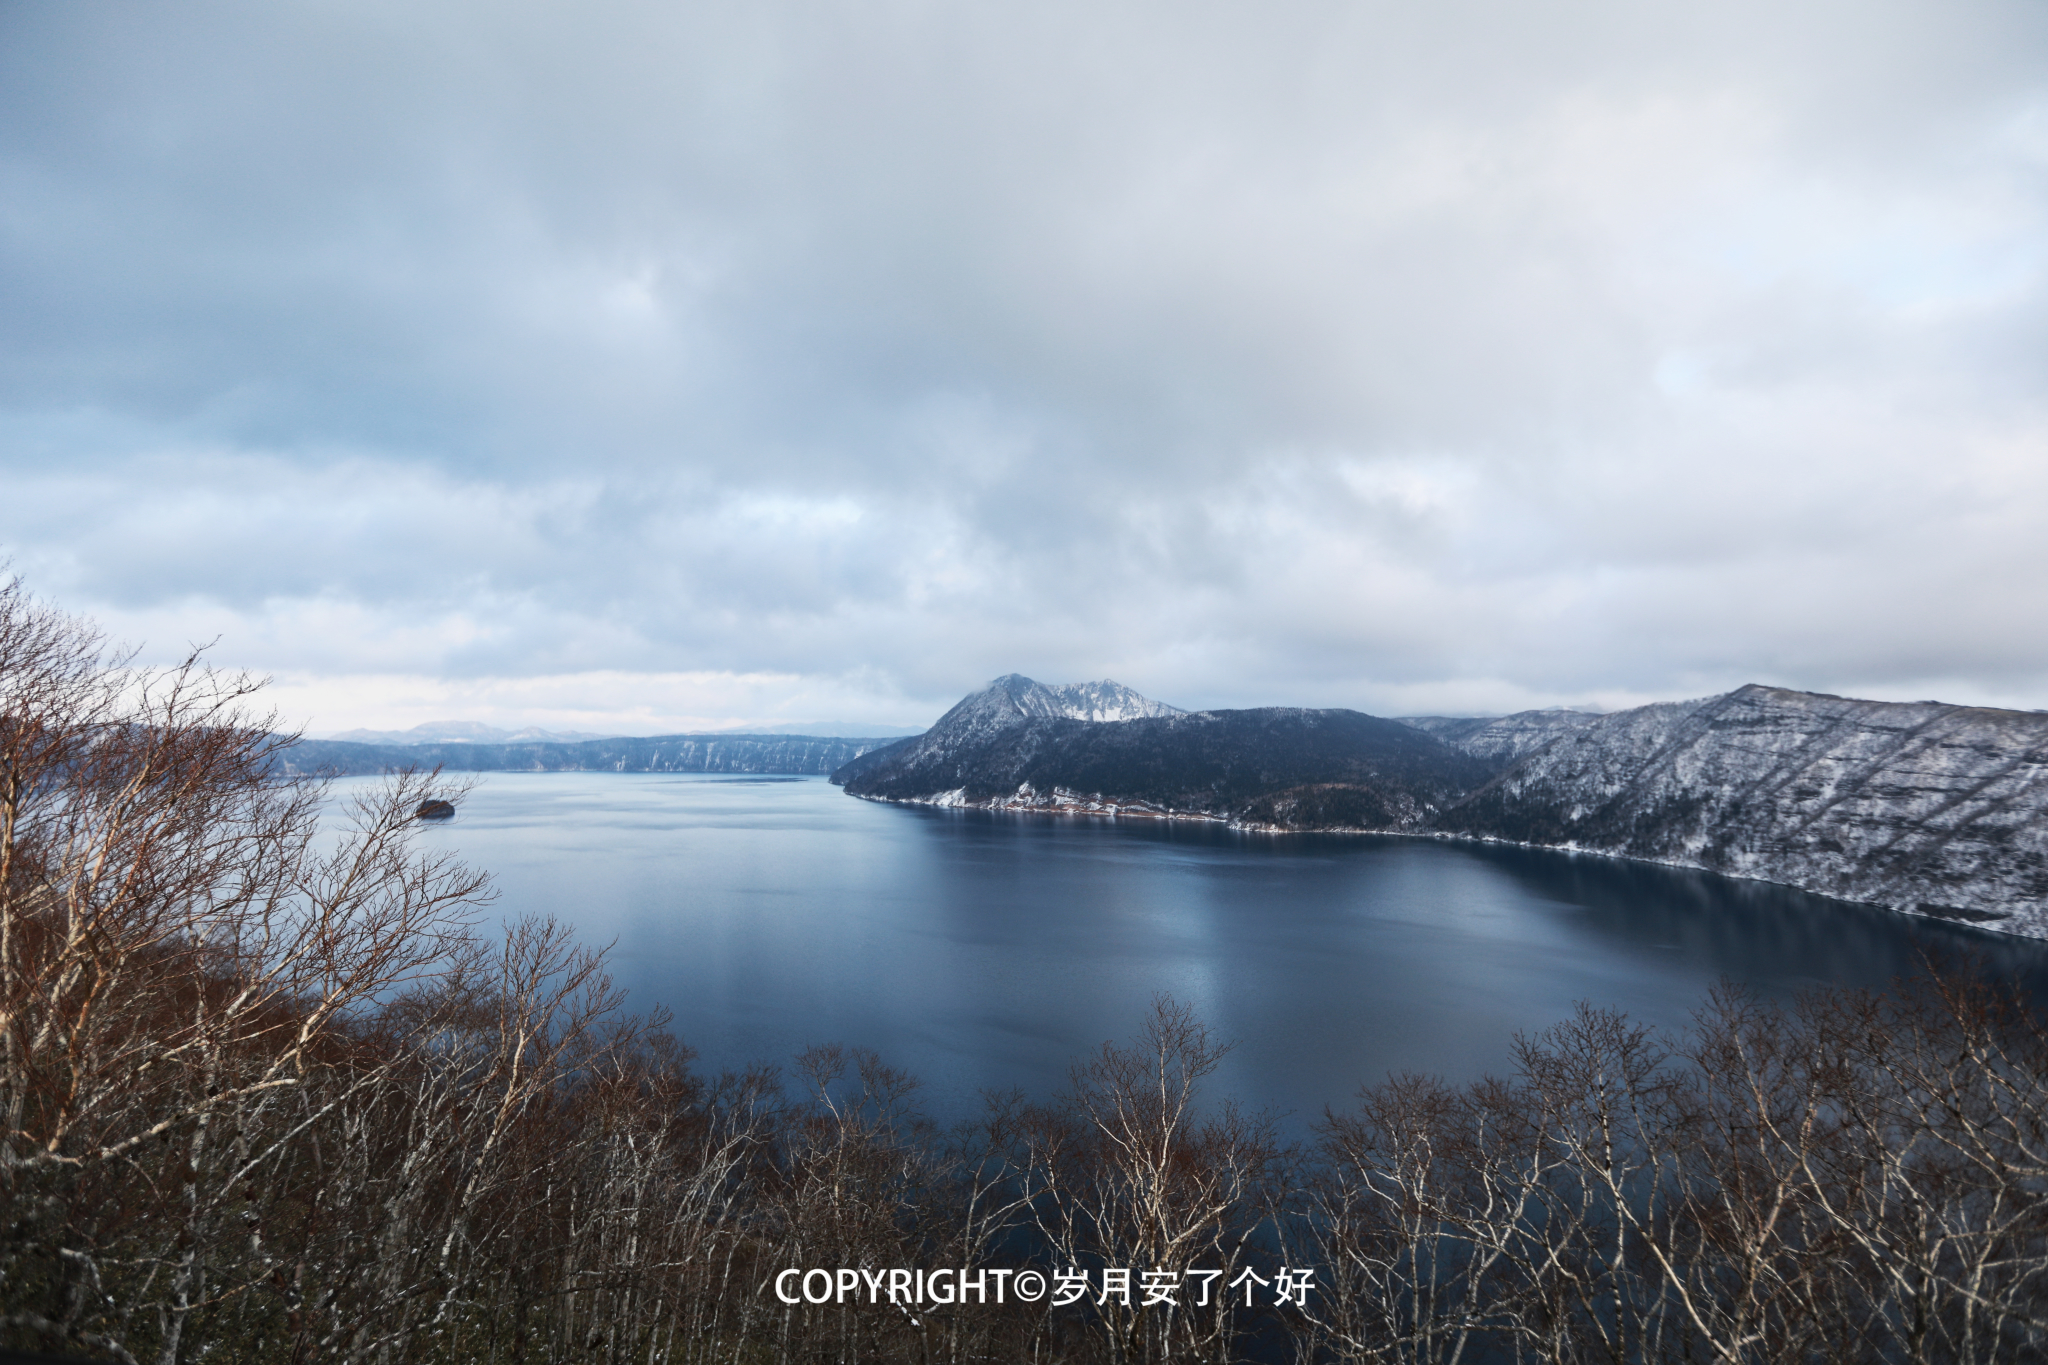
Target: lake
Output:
[{"x": 979, "y": 950}]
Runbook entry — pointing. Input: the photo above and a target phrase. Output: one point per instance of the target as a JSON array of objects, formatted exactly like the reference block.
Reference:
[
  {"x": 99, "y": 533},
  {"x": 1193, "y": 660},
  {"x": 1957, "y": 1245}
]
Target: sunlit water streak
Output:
[{"x": 981, "y": 951}]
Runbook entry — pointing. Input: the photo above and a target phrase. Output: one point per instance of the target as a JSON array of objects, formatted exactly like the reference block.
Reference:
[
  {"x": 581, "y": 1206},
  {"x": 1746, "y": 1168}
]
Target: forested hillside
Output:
[{"x": 1921, "y": 807}]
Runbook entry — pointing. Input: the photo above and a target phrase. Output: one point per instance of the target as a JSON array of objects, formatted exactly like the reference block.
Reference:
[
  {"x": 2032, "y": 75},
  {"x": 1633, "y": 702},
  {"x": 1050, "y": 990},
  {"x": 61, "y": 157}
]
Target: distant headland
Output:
[{"x": 1922, "y": 807}]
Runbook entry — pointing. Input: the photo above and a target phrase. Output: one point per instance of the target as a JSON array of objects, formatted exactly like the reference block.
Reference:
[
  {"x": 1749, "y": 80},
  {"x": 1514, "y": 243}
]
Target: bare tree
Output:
[
  {"x": 1131, "y": 1173},
  {"x": 267, "y": 1094},
  {"x": 177, "y": 957},
  {"x": 1937, "y": 1186}
]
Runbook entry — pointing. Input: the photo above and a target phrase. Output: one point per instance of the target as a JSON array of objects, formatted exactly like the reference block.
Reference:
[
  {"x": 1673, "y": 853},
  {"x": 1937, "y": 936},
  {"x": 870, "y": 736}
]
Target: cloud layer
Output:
[{"x": 648, "y": 365}]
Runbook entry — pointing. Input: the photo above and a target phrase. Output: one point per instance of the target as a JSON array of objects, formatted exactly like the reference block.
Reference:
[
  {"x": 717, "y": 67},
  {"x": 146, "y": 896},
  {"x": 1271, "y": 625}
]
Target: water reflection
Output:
[{"x": 983, "y": 950}]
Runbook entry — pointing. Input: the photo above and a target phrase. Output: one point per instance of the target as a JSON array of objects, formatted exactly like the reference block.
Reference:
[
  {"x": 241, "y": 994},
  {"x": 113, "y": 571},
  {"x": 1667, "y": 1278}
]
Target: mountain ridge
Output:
[
  {"x": 1927, "y": 807},
  {"x": 997, "y": 750},
  {"x": 1924, "y": 807},
  {"x": 715, "y": 752},
  {"x": 462, "y": 732},
  {"x": 1501, "y": 737},
  {"x": 476, "y": 732}
]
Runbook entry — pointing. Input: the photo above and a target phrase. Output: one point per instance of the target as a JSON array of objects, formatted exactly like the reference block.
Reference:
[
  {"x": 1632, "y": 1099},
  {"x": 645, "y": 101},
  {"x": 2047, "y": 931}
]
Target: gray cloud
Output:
[{"x": 1470, "y": 355}]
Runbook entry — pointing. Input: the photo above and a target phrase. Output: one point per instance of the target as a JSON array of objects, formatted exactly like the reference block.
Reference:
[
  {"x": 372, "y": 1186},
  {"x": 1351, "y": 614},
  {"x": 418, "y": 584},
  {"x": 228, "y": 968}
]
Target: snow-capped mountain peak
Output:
[
  {"x": 1014, "y": 700},
  {"x": 1095, "y": 701}
]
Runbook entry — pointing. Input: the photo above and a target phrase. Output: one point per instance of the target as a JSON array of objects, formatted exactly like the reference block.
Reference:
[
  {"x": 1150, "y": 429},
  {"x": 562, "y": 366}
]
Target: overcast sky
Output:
[{"x": 644, "y": 366}]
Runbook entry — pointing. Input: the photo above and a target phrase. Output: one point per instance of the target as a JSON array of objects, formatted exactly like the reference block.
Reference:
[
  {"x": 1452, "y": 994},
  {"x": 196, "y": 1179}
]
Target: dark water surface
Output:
[{"x": 980, "y": 950}]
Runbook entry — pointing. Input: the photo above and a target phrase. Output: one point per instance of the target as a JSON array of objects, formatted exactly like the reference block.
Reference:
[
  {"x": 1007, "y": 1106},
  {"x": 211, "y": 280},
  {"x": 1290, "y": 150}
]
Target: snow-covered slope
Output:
[
  {"x": 1013, "y": 700},
  {"x": 1935, "y": 809},
  {"x": 1274, "y": 768},
  {"x": 1919, "y": 806},
  {"x": 1101, "y": 748},
  {"x": 1501, "y": 739}
]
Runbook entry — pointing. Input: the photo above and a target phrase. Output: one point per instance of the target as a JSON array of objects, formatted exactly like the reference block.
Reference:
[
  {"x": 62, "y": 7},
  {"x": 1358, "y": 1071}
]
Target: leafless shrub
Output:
[
  {"x": 266, "y": 1095},
  {"x": 1132, "y": 1172},
  {"x": 179, "y": 973},
  {"x": 1856, "y": 1179}
]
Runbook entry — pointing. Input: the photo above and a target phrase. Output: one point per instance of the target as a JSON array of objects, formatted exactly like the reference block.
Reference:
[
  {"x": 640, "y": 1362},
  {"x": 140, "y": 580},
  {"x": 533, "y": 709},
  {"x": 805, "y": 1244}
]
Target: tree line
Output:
[{"x": 268, "y": 1094}]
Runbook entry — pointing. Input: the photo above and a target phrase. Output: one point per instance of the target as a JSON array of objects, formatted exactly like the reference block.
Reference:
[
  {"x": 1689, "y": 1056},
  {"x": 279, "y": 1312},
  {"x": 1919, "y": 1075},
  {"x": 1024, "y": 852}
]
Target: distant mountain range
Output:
[
  {"x": 704, "y": 753},
  {"x": 462, "y": 732},
  {"x": 1923, "y": 807},
  {"x": 473, "y": 732}
]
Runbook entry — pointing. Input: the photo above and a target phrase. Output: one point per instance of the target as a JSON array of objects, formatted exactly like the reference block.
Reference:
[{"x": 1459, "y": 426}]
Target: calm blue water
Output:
[{"x": 977, "y": 950}]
